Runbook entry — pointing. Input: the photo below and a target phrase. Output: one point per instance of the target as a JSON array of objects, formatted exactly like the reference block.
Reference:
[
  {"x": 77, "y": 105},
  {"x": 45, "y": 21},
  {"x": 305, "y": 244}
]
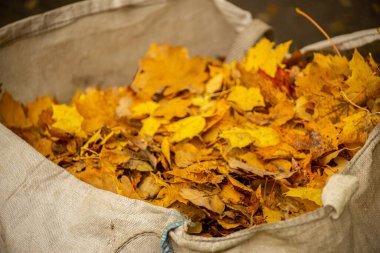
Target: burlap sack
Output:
[{"x": 45, "y": 209}]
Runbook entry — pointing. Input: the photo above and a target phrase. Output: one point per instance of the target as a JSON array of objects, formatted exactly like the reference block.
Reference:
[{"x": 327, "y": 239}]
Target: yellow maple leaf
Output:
[
  {"x": 98, "y": 107},
  {"x": 246, "y": 98},
  {"x": 264, "y": 57},
  {"x": 37, "y": 107},
  {"x": 363, "y": 82},
  {"x": 169, "y": 70},
  {"x": 356, "y": 127},
  {"x": 330, "y": 67},
  {"x": 186, "y": 128},
  {"x": 68, "y": 119},
  {"x": 306, "y": 193}
]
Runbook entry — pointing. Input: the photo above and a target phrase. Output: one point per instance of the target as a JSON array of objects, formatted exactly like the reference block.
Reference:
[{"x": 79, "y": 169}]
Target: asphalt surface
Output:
[{"x": 335, "y": 16}]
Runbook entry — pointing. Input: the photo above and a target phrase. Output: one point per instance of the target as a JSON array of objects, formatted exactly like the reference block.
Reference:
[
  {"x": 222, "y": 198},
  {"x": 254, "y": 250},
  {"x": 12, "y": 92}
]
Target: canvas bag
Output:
[{"x": 45, "y": 209}]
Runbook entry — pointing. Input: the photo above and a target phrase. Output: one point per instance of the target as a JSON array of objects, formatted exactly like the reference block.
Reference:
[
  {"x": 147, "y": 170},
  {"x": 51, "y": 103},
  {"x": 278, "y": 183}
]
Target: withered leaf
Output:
[
  {"x": 210, "y": 201},
  {"x": 229, "y": 145}
]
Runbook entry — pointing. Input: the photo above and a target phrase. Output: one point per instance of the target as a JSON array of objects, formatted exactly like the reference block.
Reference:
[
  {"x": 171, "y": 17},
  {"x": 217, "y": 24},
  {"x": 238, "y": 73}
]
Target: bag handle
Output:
[
  {"x": 338, "y": 192},
  {"x": 346, "y": 42}
]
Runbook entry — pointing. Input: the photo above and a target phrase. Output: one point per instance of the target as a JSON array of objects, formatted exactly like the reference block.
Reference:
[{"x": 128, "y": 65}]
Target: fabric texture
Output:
[{"x": 45, "y": 209}]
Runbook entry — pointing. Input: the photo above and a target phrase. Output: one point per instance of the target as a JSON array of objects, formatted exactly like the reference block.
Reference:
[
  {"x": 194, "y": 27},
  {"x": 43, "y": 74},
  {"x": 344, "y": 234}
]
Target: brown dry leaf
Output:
[
  {"x": 169, "y": 194},
  {"x": 239, "y": 185},
  {"x": 262, "y": 56},
  {"x": 68, "y": 119},
  {"x": 210, "y": 201},
  {"x": 282, "y": 150},
  {"x": 201, "y": 173},
  {"x": 235, "y": 164},
  {"x": 126, "y": 188},
  {"x": 148, "y": 188},
  {"x": 186, "y": 154},
  {"x": 246, "y": 99},
  {"x": 228, "y": 194},
  {"x": 230, "y": 146}
]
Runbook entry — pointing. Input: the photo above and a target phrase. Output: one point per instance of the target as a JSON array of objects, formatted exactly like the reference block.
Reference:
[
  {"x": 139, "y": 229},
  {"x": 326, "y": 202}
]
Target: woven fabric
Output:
[{"x": 45, "y": 209}]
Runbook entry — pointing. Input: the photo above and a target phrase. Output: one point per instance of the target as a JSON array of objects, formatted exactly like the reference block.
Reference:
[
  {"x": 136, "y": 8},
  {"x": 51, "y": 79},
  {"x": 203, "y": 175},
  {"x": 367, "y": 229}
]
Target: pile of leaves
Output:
[{"x": 229, "y": 146}]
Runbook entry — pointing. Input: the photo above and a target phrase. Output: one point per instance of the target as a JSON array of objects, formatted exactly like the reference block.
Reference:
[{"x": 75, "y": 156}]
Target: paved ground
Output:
[{"x": 336, "y": 16}]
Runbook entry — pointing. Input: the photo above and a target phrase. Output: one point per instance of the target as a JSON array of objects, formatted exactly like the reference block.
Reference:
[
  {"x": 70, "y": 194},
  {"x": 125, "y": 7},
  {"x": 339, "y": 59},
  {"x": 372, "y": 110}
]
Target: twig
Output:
[{"x": 320, "y": 29}]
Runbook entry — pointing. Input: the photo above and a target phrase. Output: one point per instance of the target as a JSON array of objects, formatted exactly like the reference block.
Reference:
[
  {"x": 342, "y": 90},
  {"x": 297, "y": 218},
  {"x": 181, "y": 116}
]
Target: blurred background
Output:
[{"x": 335, "y": 16}]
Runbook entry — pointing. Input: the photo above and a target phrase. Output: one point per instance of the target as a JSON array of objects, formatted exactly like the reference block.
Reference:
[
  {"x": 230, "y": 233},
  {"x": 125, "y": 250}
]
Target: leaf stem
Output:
[
  {"x": 344, "y": 95},
  {"x": 320, "y": 29}
]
